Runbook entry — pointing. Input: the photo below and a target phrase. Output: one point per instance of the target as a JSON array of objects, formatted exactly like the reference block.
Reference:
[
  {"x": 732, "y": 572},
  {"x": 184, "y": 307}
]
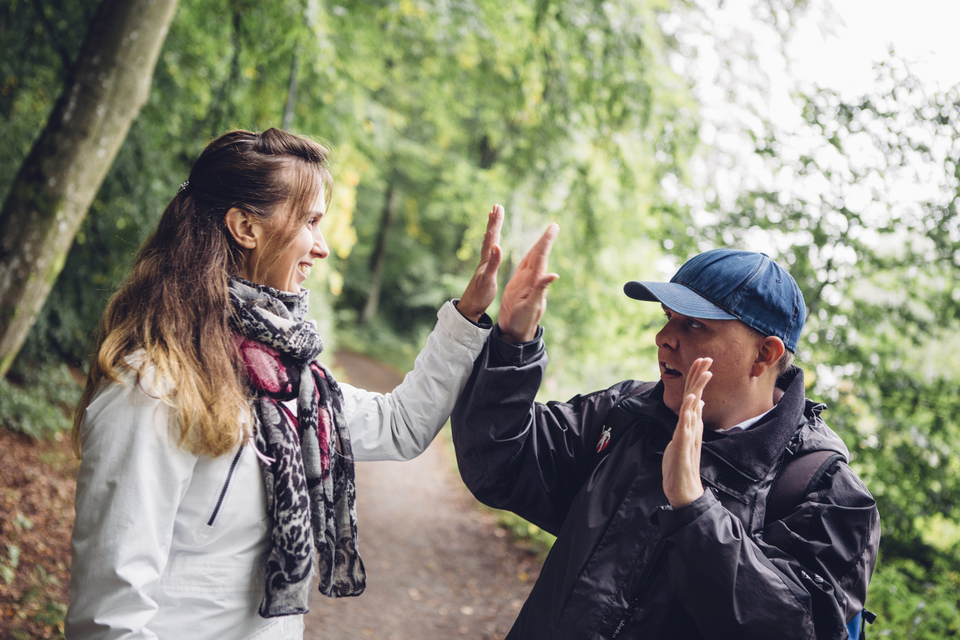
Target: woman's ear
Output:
[{"x": 243, "y": 227}]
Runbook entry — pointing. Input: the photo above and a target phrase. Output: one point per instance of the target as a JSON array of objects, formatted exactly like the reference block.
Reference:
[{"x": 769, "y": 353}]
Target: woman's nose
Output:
[{"x": 320, "y": 248}]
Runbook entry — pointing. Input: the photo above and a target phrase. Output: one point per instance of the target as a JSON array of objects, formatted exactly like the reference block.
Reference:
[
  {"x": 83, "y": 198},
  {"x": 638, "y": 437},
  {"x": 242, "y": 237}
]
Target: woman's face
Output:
[{"x": 287, "y": 267}]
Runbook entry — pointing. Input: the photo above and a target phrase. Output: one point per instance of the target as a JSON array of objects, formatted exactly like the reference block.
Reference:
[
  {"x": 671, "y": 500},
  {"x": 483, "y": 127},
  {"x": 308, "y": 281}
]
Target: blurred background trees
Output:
[
  {"x": 572, "y": 111},
  {"x": 105, "y": 86}
]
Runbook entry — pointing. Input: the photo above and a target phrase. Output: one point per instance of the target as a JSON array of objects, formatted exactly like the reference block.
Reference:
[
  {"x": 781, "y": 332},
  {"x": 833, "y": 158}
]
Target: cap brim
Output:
[{"x": 677, "y": 297}]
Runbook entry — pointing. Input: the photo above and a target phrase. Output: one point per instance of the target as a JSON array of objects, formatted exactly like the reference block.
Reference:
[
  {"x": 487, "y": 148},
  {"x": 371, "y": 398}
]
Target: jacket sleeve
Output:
[
  {"x": 514, "y": 453},
  {"x": 803, "y": 576},
  {"x": 131, "y": 480},
  {"x": 400, "y": 425}
]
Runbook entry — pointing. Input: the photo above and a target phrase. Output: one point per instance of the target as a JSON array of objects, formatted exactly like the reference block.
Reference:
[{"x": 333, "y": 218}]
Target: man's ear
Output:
[
  {"x": 768, "y": 355},
  {"x": 243, "y": 227}
]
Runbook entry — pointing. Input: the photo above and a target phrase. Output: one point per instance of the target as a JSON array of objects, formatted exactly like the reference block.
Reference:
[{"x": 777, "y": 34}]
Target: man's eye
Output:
[{"x": 695, "y": 325}]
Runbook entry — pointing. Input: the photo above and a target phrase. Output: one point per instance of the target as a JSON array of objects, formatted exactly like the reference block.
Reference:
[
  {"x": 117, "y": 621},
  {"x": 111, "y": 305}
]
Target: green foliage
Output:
[
  {"x": 562, "y": 112},
  {"x": 8, "y": 566},
  {"x": 38, "y": 43},
  {"x": 40, "y": 402},
  {"x": 36, "y": 599},
  {"x": 530, "y": 536},
  {"x": 910, "y": 604}
]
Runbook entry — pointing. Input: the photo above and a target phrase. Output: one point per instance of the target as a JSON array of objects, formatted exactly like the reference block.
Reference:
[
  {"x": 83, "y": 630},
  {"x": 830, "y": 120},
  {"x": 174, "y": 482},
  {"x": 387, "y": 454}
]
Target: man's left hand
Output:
[{"x": 681, "y": 459}]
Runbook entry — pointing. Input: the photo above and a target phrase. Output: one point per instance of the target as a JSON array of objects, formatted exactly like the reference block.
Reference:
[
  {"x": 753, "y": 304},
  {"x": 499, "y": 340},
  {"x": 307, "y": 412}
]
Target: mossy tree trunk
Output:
[{"x": 57, "y": 182}]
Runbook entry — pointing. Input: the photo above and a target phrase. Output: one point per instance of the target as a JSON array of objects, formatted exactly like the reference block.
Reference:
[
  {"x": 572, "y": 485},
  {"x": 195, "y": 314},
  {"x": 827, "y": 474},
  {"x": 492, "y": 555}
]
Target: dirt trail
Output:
[{"x": 437, "y": 566}]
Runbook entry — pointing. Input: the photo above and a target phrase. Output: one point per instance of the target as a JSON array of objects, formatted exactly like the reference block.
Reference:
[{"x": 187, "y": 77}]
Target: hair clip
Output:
[{"x": 183, "y": 186}]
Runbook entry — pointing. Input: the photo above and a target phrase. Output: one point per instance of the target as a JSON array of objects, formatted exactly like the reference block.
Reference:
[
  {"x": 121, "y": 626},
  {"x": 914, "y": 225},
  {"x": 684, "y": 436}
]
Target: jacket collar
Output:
[
  {"x": 751, "y": 453},
  {"x": 754, "y": 452}
]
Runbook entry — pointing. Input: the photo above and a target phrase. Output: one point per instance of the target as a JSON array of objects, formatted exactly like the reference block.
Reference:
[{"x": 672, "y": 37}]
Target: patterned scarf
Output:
[{"x": 306, "y": 459}]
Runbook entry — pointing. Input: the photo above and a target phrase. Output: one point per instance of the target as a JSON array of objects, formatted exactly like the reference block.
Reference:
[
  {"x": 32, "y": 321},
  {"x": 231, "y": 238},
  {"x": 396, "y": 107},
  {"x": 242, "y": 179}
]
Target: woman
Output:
[{"x": 217, "y": 466}]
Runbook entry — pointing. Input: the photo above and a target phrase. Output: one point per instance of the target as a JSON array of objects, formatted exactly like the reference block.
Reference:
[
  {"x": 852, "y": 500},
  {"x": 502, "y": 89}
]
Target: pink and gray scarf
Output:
[{"x": 306, "y": 458}]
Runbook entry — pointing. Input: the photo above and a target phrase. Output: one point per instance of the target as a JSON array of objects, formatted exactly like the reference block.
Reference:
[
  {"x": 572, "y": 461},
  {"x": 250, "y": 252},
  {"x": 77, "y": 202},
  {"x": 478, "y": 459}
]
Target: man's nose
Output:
[{"x": 666, "y": 337}]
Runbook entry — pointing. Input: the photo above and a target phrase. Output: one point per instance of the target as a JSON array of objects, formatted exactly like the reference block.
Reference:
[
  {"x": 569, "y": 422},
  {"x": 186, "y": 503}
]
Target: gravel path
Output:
[{"x": 438, "y": 567}]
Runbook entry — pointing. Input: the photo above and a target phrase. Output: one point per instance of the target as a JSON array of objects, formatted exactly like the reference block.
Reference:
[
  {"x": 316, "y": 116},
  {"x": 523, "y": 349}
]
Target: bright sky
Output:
[{"x": 922, "y": 31}]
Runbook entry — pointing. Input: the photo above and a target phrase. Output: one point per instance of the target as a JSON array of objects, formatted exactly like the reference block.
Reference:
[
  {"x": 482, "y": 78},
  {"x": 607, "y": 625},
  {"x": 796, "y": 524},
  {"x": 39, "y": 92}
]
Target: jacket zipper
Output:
[
  {"x": 226, "y": 485},
  {"x": 653, "y": 566}
]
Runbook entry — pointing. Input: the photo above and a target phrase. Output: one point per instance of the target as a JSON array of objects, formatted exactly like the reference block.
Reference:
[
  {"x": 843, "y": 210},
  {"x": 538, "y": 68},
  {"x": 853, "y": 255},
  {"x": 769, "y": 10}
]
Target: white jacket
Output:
[{"x": 167, "y": 544}]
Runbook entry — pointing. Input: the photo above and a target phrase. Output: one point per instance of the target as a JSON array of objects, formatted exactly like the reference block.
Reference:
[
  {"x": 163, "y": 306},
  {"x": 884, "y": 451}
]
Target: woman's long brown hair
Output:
[{"x": 174, "y": 306}]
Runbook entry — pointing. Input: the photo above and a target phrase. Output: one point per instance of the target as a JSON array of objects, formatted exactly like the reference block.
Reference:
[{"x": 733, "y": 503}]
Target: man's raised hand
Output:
[
  {"x": 525, "y": 296},
  {"x": 681, "y": 459}
]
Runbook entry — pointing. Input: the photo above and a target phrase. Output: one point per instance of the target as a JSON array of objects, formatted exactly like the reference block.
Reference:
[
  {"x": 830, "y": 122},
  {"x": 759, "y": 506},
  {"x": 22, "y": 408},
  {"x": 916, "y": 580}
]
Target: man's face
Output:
[{"x": 733, "y": 346}]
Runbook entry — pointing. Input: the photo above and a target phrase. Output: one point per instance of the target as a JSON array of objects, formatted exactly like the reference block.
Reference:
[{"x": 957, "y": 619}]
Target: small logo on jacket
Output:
[{"x": 604, "y": 440}]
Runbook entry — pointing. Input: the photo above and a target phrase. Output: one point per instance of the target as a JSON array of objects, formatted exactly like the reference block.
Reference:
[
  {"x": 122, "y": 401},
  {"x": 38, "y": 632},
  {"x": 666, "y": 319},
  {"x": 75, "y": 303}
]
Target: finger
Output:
[
  {"x": 698, "y": 432},
  {"x": 695, "y": 373},
  {"x": 491, "y": 236},
  {"x": 493, "y": 262},
  {"x": 536, "y": 257},
  {"x": 495, "y": 224},
  {"x": 541, "y": 251},
  {"x": 688, "y": 412},
  {"x": 700, "y": 383}
]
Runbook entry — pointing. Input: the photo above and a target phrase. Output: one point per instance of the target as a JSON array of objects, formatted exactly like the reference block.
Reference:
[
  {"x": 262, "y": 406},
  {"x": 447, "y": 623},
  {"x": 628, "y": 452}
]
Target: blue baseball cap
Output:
[{"x": 724, "y": 284}]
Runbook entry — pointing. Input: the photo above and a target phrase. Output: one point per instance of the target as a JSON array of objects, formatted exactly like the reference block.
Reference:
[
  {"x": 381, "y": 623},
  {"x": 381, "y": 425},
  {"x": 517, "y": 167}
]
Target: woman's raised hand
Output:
[
  {"x": 525, "y": 296},
  {"x": 483, "y": 286}
]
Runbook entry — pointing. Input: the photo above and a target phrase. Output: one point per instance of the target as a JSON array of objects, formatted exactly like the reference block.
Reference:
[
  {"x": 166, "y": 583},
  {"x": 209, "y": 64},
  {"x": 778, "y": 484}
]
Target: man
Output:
[{"x": 660, "y": 494}]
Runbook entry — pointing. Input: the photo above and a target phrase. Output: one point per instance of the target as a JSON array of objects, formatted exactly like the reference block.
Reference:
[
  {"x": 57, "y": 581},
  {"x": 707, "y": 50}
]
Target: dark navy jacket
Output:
[{"x": 626, "y": 566}]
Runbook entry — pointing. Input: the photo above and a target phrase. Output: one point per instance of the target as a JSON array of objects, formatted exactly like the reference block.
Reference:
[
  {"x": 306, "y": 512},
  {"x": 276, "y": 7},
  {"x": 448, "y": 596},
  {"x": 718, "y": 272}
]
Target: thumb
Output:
[
  {"x": 495, "y": 258},
  {"x": 546, "y": 281}
]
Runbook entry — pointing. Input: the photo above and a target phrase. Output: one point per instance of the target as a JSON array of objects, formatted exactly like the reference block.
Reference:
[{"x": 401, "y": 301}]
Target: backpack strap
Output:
[{"x": 798, "y": 476}]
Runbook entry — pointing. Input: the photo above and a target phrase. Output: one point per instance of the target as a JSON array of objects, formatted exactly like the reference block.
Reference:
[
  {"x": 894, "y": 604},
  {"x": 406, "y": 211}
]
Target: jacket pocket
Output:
[
  {"x": 220, "y": 497},
  {"x": 647, "y": 577}
]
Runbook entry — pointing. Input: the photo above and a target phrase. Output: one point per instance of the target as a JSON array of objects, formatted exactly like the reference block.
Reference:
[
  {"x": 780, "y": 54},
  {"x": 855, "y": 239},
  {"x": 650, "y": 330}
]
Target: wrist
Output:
[
  {"x": 471, "y": 314},
  {"x": 687, "y": 497},
  {"x": 508, "y": 336}
]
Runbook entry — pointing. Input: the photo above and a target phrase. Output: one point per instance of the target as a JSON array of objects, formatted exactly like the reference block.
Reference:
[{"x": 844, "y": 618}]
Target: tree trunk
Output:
[
  {"x": 379, "y": 256},
  {"x": 63, "y": 172},
  {"x": 289, "y": 111}
]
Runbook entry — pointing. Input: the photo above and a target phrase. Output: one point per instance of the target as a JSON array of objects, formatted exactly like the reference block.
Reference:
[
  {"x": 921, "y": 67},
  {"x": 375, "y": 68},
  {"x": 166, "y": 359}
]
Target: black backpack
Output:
[{"x": 798, "y": 476}]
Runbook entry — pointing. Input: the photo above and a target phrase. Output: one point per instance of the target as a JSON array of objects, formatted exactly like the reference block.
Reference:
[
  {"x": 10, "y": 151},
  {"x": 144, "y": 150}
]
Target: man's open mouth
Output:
[{"x": 670, "y": 371}]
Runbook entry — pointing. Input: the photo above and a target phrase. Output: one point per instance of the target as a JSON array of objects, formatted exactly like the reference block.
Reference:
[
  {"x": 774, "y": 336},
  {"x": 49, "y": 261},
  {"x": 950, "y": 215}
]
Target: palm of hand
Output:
[
  {"x": 525, "y": 296},
  {"x": 681, "y": 458},
  {"x": 482, "y": 288}
]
